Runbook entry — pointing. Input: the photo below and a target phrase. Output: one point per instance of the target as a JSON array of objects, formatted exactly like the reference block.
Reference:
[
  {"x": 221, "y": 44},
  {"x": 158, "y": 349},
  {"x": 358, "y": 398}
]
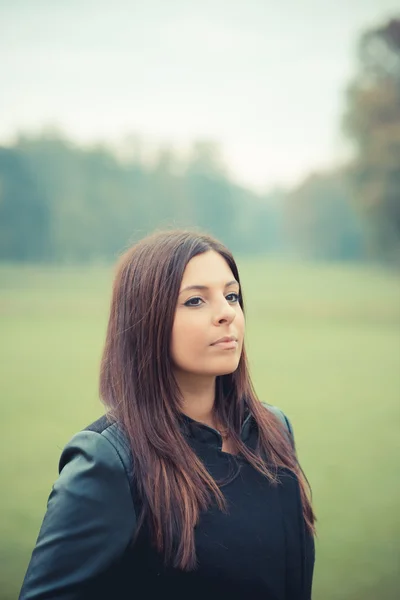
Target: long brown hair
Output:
[{"x": 138, "y": 387}]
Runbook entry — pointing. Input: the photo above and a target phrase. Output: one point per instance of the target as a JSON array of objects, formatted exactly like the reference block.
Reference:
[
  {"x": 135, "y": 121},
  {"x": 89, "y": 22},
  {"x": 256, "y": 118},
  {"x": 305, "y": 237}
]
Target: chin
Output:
[{"x": 227, "y": 370}]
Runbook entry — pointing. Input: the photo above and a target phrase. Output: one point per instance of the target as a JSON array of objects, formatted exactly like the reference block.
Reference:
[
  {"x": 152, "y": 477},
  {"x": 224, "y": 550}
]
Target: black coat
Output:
[{"x": 260, "y": 549}]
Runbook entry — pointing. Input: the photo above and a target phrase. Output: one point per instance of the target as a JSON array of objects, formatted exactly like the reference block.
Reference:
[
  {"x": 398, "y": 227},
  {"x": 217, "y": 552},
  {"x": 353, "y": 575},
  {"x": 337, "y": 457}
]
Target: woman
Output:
[{"x": 188, "y": 486}]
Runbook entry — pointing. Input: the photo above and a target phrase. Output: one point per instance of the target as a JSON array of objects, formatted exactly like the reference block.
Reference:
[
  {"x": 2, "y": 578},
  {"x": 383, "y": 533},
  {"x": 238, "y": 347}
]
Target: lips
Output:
[{"x": 225, "y": 339}]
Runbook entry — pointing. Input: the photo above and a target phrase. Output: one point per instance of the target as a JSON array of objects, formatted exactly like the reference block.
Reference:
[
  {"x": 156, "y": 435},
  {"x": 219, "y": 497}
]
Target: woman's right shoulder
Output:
[
  {"x": 90, "y": 519},
  {"x": 102, "y": 440}
]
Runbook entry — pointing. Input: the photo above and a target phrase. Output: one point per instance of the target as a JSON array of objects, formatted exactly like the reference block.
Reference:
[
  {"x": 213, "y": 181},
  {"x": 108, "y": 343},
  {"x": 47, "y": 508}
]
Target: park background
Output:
[{"x": 274, "y": 126}]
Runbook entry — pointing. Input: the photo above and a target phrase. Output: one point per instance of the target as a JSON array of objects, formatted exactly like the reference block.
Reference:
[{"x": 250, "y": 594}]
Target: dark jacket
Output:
[{"x": 260, "y": 549}]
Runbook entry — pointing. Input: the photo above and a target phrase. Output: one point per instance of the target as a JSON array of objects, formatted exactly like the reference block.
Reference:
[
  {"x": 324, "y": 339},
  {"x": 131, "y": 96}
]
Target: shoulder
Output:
[
  {"x": 113, "y": 432},
  {"x": 90, "y": 518},
  {"x": 103, "y": 443},
  {"x": 284, "y": 420},
  {"x": 95, "y": 469}
]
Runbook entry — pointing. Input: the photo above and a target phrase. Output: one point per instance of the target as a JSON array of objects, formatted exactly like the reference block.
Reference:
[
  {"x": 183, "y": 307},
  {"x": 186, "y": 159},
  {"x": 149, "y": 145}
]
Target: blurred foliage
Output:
[
  {"x": 320, "y": 220},
  {"x": 372, "y": 121},
  {"x": 60, "y": 202}
]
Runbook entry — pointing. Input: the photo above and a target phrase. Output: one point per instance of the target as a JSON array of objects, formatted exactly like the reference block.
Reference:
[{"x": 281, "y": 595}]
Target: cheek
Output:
[
  {"x": 187, "y": 338},
  {"x": 239, "y": 324}
]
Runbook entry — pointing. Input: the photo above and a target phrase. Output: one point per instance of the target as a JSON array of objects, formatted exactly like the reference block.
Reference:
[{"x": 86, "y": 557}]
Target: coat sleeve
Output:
[{"x": 89, "y": 522}]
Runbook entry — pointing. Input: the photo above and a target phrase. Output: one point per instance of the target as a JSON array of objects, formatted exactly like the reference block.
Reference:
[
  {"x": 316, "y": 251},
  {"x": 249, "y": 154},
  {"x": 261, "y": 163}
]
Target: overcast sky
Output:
[{"x": 265, "y": 78}]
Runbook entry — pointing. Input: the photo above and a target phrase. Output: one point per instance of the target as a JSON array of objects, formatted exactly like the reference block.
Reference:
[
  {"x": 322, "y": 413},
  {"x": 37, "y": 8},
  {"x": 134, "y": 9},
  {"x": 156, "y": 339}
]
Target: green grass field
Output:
[{"x": 324, "y": 344}]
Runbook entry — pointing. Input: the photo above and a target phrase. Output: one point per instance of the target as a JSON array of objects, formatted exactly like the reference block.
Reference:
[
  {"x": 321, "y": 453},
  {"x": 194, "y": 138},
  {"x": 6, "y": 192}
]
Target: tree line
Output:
[{"x": 63, "y": 202}]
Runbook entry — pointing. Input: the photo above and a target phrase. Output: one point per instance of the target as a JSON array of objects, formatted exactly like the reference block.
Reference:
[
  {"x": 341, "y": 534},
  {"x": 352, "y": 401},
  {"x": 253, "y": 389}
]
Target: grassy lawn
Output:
[{"x": 324, "y": 344}]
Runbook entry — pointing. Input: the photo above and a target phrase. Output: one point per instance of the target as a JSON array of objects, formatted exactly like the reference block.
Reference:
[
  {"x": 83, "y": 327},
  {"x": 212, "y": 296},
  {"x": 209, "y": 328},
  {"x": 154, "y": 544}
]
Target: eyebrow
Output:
[{"x": 204, "y": 287}]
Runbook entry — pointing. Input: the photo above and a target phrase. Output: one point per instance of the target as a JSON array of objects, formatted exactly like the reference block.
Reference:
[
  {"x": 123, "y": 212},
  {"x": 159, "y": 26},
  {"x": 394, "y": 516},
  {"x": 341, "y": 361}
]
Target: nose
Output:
[{"x": 225, "y": 314}]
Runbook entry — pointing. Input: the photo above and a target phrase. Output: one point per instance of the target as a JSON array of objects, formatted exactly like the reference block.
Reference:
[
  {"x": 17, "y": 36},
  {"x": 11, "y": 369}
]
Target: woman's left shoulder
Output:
[{"x": 283, "y": 418}]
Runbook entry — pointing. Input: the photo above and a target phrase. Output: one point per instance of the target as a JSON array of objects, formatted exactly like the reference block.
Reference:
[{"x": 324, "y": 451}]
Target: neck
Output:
[{"x": 198, "y": 397}]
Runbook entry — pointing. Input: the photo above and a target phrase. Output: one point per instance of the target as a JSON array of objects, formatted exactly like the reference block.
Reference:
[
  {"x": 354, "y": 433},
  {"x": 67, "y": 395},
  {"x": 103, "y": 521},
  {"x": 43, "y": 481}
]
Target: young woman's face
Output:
[{"x": 208, "y": 311}]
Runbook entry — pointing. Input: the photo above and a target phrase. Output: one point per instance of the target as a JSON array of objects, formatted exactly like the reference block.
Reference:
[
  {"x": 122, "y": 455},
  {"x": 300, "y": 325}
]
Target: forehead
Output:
[{"x": 209, "y": 268}]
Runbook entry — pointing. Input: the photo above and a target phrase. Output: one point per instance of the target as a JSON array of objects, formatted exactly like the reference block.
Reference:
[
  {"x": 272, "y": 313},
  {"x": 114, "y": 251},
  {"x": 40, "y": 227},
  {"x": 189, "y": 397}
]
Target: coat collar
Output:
[{"x": 210, "y": 436}]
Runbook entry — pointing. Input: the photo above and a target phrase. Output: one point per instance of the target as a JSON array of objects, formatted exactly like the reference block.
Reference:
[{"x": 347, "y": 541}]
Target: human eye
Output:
[
  {"x": 196, "y": 301},
  {"x": 233, "y": 297}
]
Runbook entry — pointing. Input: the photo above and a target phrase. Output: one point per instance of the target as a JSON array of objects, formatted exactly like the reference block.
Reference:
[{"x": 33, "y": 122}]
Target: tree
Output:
[
  {"x": 320, "y": 220},
  {"x": 209, "y": 191},
  {"x": 372, "y": 122},
  {"x": 24, "y": 213}
]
